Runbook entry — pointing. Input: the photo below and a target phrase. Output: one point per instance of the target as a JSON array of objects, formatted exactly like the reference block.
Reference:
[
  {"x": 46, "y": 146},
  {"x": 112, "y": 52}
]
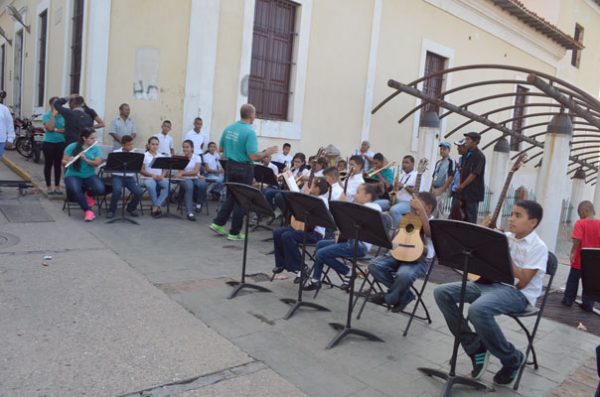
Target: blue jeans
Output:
[
  {"x": 287, "y": 241},
  {"x": 191, "y": 186},
  {"x": 76, "y": 185},
  {"x": 487, "y": 301},
  {"x": 572, "y": 287},
  {"x": 328, "y": 252},
  {"x": 270, "y": 193},
  {"x": 118, "y": 182},
  {"x": 216, "y": 181},
  {"x": 398, "y": 210},
  {"x": 2, "y": 144},
  {"x": 158, "y": 199},
  {"x": 241, "y": 173},
  {"x": 397, "y": 277},
  {"x": 383, "y": 203}
]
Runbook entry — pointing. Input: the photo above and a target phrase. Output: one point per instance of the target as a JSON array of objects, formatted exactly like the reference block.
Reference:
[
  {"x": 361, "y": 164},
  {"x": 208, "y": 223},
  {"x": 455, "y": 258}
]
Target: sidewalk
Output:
[{"x": 101, "y": 278}]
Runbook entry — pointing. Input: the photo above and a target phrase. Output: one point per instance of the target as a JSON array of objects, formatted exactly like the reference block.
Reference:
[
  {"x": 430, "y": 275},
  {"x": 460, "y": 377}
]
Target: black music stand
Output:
[
  {"x": 263, "y": 175},
  {"x": 363, "y": 224},
  {"x": 280, "y": 166},
  {"x": 470, "y": 248},
  {"x": 313, "y": 212},
  {"x": 251, "y": 200},
  {"x": 121, "y": 163},
  {"x": 590, "y": 275},
  {"x": 170, "y": 163}
]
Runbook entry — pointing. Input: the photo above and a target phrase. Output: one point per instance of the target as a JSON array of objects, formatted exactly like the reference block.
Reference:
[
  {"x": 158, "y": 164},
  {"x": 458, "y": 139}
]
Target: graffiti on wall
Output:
[{"x": 145, "y": 81}]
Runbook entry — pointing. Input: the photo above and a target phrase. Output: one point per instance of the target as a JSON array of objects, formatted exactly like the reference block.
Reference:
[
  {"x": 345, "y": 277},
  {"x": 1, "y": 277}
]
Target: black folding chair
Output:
[{"x": 536, "y": 312}]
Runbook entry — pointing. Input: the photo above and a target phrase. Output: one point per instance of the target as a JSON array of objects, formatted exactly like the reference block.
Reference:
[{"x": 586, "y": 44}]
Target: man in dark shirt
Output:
[
  {"x": 471, "y": 187},
  {"x": 76, "y": 119}
]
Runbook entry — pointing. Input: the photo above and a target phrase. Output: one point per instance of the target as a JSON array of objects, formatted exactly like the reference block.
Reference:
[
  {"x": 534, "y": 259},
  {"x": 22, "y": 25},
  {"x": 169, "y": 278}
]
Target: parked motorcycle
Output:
[{"x": 29, "y": 138}]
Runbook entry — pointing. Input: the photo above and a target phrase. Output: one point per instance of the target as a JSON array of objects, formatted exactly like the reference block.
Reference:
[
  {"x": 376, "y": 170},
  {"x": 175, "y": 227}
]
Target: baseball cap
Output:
[
  {"x": 460, "y": 143},
  {"x": 445, "y": 144},
  {"x": 476, "y": 136}
]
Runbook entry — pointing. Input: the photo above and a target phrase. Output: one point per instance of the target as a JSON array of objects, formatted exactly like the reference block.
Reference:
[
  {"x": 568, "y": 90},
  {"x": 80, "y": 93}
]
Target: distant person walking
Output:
[
  {"x": 53, "y": 147},
  {"x": 238, "y": 142},
  {"x": 7, "y": 128}
]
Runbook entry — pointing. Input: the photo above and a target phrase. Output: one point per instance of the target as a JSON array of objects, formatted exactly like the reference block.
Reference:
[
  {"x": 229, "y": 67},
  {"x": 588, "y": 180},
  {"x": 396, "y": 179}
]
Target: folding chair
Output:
[{"x": 551, "y": 266}]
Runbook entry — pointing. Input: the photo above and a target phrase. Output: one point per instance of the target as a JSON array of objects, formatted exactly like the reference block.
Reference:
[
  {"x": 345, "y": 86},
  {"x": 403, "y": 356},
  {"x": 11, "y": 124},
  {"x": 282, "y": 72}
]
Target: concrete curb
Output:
[{"x": 23, "y": 174}]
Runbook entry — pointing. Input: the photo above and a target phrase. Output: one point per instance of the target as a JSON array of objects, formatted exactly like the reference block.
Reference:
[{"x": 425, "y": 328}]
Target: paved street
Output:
[{"x": 122, "y": 308}]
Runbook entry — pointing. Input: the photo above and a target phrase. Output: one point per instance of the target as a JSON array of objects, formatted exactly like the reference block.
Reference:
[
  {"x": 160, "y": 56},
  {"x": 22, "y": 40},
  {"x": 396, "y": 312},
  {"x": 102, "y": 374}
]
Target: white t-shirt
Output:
[
  {"x": 148, "y": 159},
  {"x": 285, "y": 159},
  {"x": 211, "y": 160},
  {"x": 321, "y": 229},
  {"x": 368, "y": 153},
  {"x": 429, "y": 245},
  {"x": 336, "y": 191},
  {"x": 274, "y": 168},
  {"x": 376, "y": 207},
  {"x": 318, "y": 174},
  {"x": 353, "y": 183},
  {"x": 165, "y": 143},
  {"x": 127, "y": 174},
  {"x": 191, "y": 165},
  {"x": 199, "y": 139},
  {"x": 530, "y": 252},
  {"x": 407, "y": 179},
  {"x": 305, "y": 173}
]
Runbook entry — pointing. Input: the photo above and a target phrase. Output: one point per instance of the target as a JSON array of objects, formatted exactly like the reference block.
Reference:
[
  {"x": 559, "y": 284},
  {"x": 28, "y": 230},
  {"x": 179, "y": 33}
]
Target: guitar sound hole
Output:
[{"x": 410, "y": 228}]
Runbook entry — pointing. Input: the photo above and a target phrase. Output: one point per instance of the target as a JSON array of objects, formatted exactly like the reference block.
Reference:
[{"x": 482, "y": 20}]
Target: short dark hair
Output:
[
  {"x": 379, "y": 157},
  {"x": 409, "y": 157},
  {"x": 197, "y": 119},
  {"x": 121, "y": 106},
  {"x": 322, "y": 184},
  {"x": 358, "y": 160},
  {"x": 533, "y": 208},
  {"x": 287, "y": 145},
  {"x": 322, "y": 162},
  {"x": 188, "y": 141},
  {"x": 428, "y": 199},
  {"x": 371, "y": 189},
  {"x": 126, "y": 139},
  {"x": 332, "y": 171},
  {"x": 247, "y": 110},
  {"x": 54, "y": 98},
  {"x": 167, "y": 121},
  {"x": 77, "y": 101},
  {"x": 211, "y": 143}
]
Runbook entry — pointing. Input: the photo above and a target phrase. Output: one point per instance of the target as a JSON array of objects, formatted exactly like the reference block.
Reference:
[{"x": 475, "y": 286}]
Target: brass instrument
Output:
[{"x": 394, "y": 191}]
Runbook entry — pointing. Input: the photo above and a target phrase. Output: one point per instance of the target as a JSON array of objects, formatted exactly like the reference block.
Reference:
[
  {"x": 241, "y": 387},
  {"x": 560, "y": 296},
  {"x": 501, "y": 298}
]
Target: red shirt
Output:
[{"x": 587, "y": 231}]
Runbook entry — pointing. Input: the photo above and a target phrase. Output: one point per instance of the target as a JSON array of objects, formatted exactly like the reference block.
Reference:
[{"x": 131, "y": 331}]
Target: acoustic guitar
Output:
[
  {"x": 518, "y": 163},
  {"x": 408, "y": 244}
]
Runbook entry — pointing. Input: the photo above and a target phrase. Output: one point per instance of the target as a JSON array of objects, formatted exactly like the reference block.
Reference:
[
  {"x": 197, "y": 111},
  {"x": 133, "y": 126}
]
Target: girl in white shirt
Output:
[
  {"x": 191, "y": 182},
  {"x": 154, "y": 179}
]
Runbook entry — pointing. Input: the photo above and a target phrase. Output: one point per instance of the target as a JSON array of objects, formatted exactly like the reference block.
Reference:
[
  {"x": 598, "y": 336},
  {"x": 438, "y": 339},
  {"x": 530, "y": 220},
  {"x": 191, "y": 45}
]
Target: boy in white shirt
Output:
[
  {"x": 165, "y": 141},
  {"x": 127, "y": 180},
  {"x": 529, "y": 258},
  {"x": 199, "y": 138},
  {"x": 332, "y": 176},
  {"x": 356, "y": 169},
  {"x": 215, "y": 175},
  {"x": 285, "y": 157}
]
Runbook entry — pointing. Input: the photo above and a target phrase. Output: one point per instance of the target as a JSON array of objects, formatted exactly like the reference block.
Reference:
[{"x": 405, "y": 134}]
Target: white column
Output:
[
  {"x": 95, "y": 69},
  {"x": 550, "y": 191},
  {"x": 597, "y": 195},
  {"x": 201, "y": 61},
  {"x": 577, "y": 188},
  {"x": 372, "y": 69},
  {"x": 499, "y": 170},
  {"x": 429, "y": 129}
]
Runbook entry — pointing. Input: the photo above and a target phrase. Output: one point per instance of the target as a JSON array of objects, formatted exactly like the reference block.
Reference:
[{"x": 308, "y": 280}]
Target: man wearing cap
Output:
[
  {"x": 470, "y": 188},
  {"x": 444, "y": 168}
]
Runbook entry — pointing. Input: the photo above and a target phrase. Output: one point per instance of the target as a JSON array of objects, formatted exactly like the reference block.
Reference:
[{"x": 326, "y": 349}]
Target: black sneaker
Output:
[
  {"x": 398, "y": 307},
  {"x": 133, "y": 213},
  {"x": 312, "y": 285},
  {"x": 508, "y": 373},
  {"x": 278, "y": 270},
  {"x": 566, "y": 302},
  {"x": 480, "y": 361},
  {"x": 191, "y": 217},
  {"x": 378, "y": 298},
  {"x": 298, "y": 277}
]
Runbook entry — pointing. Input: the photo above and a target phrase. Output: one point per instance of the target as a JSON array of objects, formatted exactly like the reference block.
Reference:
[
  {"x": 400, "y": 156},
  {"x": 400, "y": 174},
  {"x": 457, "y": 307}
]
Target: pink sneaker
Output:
[
  {"x": 89, "y": 216},
  {"x": 90, "y": 200}
]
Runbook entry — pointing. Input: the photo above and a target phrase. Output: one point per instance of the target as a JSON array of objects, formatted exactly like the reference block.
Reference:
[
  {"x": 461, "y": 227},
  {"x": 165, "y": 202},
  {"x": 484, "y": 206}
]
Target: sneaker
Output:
[
  {"x": 218, "y": 229},
  {"x": 312, "y": 285},
  {"x": 298, "y": 277},
  {"x": 398, "y": 307},
  {"x": 90, "y": 200},
  {"x": 508, "y": 373},
  {"x": 110, "y": 214},
  {"x": 89, "y": 216},
  {"x": 480, "y": 361},
  {"x": 133, "y": 213},
  {"x": 378, "y": 298},
  {"x": 198, "y": 207},
  {"x": 236, "y": 237},
  {"x": 191, "y": 217}
]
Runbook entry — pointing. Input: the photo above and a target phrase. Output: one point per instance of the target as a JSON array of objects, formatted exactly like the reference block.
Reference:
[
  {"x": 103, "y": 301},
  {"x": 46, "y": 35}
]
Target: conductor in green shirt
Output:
[{"x": 240, "y": 148}]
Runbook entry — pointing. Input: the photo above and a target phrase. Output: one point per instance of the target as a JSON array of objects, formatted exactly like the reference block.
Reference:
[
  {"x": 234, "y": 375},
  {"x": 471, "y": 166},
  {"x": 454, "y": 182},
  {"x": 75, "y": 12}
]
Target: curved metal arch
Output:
[
  {"x": 587, "y": 98},
  {"x": 496, "y": 96},
  {"x": 579, "y": 153},
  {"x": 526, "y": 116}
]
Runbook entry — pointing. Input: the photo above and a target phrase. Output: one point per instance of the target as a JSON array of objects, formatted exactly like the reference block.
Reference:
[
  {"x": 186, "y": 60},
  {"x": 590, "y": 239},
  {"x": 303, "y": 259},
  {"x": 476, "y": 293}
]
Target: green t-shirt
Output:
[
  {"x": 238, "y": 141},
  {"x": 59, "y": 123},
  {"x": 85, "y": 170},
  {"x": 388, "y": 175}
]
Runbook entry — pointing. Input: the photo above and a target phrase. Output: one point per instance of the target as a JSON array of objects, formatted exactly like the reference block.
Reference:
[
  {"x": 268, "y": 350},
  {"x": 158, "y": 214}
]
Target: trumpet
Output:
[{"x": 282, "y": 175}]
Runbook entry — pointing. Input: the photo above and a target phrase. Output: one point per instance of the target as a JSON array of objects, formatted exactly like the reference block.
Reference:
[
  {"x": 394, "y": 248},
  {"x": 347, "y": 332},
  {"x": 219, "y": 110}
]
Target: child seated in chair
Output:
[
  {"x": 287, "y": 240},
  {"x": 329, "y": 252},
  {"x": 488, "y": 299},
  {"x": 399, "y": 276}
]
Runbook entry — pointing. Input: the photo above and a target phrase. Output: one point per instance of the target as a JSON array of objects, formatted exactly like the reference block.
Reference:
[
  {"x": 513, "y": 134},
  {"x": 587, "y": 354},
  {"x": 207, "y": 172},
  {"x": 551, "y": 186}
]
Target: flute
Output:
[
  {"x": 74, "y": 159},
  {"x": 375, "y": 172}
]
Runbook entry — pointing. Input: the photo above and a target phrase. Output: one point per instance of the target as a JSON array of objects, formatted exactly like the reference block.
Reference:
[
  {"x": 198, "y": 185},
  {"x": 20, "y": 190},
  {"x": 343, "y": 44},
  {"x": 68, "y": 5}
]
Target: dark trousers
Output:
[
  {"x": 571, "y": 290},
  {"x": 471, "y": 208},
  {"x": 287, "y": 242},
  {"x": 79, "y": 186},
  {"x": 53, "y": 154},
  {"x": 129, "y": 182},
  {"x": 240, "y": 173}
]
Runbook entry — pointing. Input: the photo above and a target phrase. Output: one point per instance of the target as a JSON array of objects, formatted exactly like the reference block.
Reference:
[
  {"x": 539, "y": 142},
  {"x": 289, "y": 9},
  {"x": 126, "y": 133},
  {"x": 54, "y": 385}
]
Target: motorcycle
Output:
[{"x": 29, "y": 138}]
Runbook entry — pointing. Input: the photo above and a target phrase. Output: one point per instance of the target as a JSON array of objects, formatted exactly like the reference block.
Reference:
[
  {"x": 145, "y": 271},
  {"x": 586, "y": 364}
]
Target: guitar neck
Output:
[
  {"x": 418, "y": 183},
  {"x": 501, "y": 199}
]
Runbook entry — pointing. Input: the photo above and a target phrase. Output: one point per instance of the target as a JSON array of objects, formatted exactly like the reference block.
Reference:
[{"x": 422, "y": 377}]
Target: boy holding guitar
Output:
[{"x": 399, "y": 274}]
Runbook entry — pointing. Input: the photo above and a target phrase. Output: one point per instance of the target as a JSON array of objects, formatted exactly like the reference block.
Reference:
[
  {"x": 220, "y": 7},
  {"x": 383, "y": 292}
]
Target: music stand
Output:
[
  {"x": 280, "y": 166},
  {"x": 263, "y": 175},
  {"x": 121, "y": 163},
  {"x": 251, "y": 200},
  {"x": 590, "y": 275},
  {"x": 470, "y": 248},
  {"x": 363, "y": 224},
  {"x": 313, "y": 212},
  {"x": 170, "y": 163}
]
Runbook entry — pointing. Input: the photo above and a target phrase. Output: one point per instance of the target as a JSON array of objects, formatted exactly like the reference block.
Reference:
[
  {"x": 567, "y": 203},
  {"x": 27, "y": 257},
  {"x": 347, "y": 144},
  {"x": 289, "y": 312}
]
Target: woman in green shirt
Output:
[
  {"x": 80, "y": 177},
  {"x": 53, "y": 147}
]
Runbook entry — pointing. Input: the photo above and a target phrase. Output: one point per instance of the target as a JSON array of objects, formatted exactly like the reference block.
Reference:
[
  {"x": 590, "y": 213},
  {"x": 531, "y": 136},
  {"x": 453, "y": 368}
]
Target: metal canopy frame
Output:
[{"x": 583, "y": 108}]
